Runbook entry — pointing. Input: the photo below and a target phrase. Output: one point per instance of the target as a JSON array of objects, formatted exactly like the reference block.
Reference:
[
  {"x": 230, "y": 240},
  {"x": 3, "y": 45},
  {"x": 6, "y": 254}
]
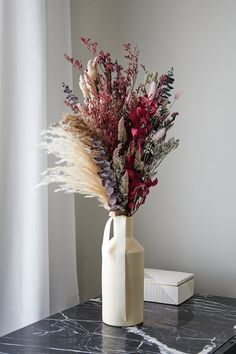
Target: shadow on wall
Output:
[{"x": 90, "y": 222}]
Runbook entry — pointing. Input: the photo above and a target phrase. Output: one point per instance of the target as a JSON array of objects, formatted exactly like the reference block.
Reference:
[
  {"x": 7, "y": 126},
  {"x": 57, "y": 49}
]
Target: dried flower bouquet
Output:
[{"x": 111, "y": 145}]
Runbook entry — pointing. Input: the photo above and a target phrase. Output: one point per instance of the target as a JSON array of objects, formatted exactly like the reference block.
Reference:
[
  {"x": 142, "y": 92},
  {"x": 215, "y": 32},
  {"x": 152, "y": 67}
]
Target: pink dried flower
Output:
[
  {"x": 152, "y": 90},
  {"x": 160, "y": 134},
  {"x": 92, "y": 69},
  {"x": 76, "y": 63},
  {"x": 83, "y": 87}
]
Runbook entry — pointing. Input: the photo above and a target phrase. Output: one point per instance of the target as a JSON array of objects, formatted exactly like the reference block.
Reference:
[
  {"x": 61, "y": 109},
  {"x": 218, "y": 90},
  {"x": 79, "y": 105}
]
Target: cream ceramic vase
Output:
[{"x": 122, "y": 274}]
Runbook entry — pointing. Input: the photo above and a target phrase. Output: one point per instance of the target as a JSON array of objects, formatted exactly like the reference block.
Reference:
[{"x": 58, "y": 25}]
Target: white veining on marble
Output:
[
  {"x": 208, "y": 348},
  {"x": 213, "y": 305},
  {"x": 141, "y": 343},
  {"x": 64, "y": 316},
  {"x": 97, "y": 299},
  {"x": 209, "y": 299},
  {"x": 164, "y": 349},
  {"x": 146, "y": 310},
  {"x": 43, "y": 333},
  {"x": 63, "y": 350},
  {"x": 177, "y": 337},
  {"x": 195, "y": 338},
  {"x": 73, "y": 320}
]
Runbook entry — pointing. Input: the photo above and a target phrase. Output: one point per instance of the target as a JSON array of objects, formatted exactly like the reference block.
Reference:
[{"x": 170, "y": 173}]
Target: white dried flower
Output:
[
  {"x": 92, "y": 69},
  {"x": 83, "y": 87},
  {"x": 152, "y": 90},
  {"x": 159, "y": 134}
]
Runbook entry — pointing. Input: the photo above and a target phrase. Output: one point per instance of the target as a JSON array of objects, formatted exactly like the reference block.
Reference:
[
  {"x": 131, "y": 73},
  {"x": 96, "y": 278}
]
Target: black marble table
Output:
[{"x": 199, "y": 326}]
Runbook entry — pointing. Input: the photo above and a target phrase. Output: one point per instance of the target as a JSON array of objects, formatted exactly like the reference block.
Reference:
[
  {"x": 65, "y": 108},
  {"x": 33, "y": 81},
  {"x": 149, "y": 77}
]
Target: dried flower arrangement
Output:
[{"x": 112, "y": 144}]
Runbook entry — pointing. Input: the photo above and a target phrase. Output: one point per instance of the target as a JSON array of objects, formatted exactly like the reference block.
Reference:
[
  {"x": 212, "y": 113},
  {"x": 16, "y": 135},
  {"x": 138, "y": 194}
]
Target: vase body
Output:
[{"x": 122, "y": 274}]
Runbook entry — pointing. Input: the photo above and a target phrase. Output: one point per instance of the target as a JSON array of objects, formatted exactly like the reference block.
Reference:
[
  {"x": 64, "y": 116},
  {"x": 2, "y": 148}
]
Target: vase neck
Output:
[{"x": 129, "y": 227}]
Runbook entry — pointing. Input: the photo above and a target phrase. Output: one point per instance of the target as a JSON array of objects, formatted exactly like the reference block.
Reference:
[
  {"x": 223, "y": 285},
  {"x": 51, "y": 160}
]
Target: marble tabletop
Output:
[{"x": 198, "y": 326}]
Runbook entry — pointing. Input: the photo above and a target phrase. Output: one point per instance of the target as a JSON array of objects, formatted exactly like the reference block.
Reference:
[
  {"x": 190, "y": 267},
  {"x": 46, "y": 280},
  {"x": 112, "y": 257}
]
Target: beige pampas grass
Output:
[
  {"x": 80, "y": 126},
  {"x": 76, "y": 170}
]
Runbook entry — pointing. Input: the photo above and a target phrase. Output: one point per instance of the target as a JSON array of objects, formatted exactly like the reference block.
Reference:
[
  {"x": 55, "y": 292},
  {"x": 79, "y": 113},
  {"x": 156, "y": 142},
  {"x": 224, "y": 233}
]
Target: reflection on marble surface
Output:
[{"x": 198, "y": 326}]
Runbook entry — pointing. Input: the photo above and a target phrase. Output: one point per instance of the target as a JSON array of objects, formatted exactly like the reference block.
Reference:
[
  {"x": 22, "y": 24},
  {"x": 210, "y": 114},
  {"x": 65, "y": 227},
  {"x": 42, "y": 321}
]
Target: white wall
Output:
[{"x": 188, "y": 222}]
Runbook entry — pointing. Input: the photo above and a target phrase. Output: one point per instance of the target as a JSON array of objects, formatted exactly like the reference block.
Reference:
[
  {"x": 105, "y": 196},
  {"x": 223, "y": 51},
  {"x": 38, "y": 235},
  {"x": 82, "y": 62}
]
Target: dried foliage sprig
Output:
[{"x": 111, "y": 146}]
